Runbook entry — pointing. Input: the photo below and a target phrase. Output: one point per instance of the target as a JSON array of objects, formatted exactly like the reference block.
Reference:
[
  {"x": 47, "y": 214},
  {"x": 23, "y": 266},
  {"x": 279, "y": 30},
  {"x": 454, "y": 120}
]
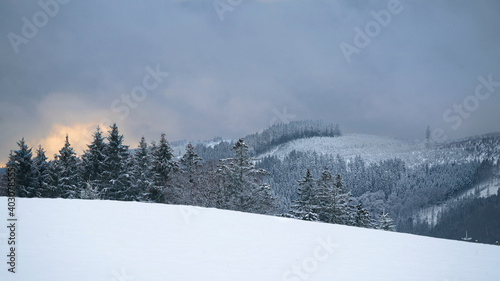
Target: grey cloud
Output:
[{"x": 226, "y": 78}]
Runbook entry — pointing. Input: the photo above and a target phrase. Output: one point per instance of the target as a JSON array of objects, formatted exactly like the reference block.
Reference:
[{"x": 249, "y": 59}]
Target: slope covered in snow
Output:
[
  {"x": 59, "y": 239},
  {"x": 371, "y": 148}
]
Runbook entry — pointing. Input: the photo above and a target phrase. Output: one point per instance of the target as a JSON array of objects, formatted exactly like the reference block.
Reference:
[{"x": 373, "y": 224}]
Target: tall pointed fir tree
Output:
[
  {"x": 55, "y": 174},
  {"x": 305, "y": 206},
  {"x": 20, "y": 161},
  {"x": 190, "y": 161},
  {"x": 242, "y": 183},
  {"x": 41, "y": 173},
  {"x": 67, "y": 167},
  {"x": 344, "y": 211},
  {"x": 93, "y": 164},
  {"x": 189, "y": 167},
  {"x": 334, "y": 200},
  {"x": 143, "y": 171},
  {"x": 163, "y": 167},
  {"x": 327, "y": 196},
  {"x": 385, "y": 222},
  {"x": 116, "y": 176}
]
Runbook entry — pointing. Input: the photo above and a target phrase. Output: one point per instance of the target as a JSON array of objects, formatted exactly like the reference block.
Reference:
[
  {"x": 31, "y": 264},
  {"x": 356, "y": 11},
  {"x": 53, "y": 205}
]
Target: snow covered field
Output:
[
  {"x": 59, "y": 239},
  {"x": 371, "y": 148}
]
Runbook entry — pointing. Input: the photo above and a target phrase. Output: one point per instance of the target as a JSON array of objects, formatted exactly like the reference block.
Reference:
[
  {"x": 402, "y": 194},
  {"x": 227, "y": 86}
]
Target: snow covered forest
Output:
[{"x": 246, "y": 176}]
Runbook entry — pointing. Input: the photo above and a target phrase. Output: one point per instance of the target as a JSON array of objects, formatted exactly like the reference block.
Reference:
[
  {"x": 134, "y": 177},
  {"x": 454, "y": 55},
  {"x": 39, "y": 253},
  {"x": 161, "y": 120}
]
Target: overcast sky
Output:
[{"x": 68, "y": 67}]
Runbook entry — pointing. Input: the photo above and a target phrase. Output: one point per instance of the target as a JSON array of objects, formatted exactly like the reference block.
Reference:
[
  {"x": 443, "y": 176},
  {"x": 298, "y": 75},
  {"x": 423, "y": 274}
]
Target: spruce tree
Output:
[
  {"x": 190, "y": 161},
  {"x": 305, "y": 206},
  {"x": 68, "y": 179},
  {"x": 93, "y": 162},
  {"x": 20, "y": 161},
  {"x": 345, "y": 213},
  {"x": 116, "y": 176},
  {"x": 327, "y": 197},
  {"x": 55, "y": 174},
  {"x": 163, "y": 168},
  {"x": 142, "y": 171},
  {"x": 242, "y": 185},
  {"x": 41, "y": 173},
  {"x": 334, "y": 200},
  {"x": 189, "y": 167}
]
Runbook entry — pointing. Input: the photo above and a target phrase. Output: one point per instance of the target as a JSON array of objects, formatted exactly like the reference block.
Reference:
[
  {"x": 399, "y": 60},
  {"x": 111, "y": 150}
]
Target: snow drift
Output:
[{"x": 59, "y": 239}]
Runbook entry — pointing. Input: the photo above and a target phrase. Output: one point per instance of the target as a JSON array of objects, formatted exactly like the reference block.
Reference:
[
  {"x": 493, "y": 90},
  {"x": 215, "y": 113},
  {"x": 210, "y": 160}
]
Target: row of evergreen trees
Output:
[
  {"x": 150, "y": 173},
  {"x": 328, "y": 200},
  {"x": 106, "y": 170}
]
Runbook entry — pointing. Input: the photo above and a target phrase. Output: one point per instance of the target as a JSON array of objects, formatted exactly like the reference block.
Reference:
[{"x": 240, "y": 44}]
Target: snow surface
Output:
[
  {"x": 60, "y": 239},
  {"x": 371, "y": 148}
]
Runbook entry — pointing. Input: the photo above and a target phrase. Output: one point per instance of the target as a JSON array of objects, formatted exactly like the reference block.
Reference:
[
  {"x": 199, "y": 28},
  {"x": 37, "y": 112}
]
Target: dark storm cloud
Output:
[{"x": 230, "y": 77}]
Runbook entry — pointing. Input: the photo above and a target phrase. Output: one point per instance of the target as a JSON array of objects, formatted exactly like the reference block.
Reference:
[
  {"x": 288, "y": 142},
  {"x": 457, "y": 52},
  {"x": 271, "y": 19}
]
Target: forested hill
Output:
[
  {"x": 268, "y": 139},
  {"x": 417, "y": 182},
  {"x": 484, "y": 147},
  {"x": 282, "y": 133}
]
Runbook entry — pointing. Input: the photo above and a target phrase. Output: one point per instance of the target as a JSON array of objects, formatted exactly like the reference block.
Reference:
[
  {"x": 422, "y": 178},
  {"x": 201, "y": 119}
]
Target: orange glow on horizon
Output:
[{"x": 79, "y": 136}]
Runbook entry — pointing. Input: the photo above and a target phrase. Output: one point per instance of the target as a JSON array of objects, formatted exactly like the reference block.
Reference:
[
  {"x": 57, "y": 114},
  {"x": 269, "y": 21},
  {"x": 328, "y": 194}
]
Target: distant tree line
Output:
[
  {"x": 269, "y": 138},
  {"x": 281, "y": 133}
]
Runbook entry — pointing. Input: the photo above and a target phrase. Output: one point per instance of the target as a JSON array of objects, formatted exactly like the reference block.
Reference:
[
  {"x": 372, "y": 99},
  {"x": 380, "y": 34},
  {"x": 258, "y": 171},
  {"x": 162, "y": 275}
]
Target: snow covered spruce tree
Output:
[
  {"x": 93, "y": 163},
  {"x": 334, "y": 200},
  {"x": 241, "y": 183},
  {"x": 116, "y": 178},
  {"x": 66, "y": 164},
  {"x": 328, "y": 207},
  {"x": 20, "y": 161},
  {"x": 325, "y": 199},
  {"x": 190, "y": 165},
  {"x": 163, "y": 168},
  {"x": 385, "y": 222},
  {"x": 41, "y": 177},
  {"x": 190, "y": 162},
  {"x": 143, "y": 170},
  {"x": 305, "y": 206}
]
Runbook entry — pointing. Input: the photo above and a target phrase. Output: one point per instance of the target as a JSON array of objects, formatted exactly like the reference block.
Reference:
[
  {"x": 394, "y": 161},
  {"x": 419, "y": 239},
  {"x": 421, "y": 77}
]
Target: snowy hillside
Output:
[
  {"x": 371, "y": 148},
  {"x": 76, "y": 240}
]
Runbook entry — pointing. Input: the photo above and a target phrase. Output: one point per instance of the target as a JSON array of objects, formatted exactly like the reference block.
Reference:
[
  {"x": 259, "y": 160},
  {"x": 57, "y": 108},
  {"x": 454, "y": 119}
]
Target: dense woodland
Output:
[
  {"x": 478, "y": 218},
  {"x": 388, "y": 185}
]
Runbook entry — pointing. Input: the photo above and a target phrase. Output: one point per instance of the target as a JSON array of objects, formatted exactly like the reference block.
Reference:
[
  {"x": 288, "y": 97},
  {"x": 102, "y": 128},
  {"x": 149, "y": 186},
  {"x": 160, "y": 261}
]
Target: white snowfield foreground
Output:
[{"x": 62, "y": 240}]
